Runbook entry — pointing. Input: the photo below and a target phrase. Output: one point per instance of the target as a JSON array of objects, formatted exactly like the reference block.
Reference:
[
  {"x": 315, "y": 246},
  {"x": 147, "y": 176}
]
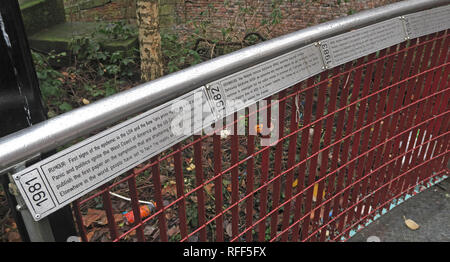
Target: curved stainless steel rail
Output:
[{"x": 57, "y": 131}]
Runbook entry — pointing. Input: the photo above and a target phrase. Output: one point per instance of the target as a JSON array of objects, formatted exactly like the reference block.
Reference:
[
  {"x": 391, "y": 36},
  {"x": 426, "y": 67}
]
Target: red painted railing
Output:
[{"x": 352, "y": 141}]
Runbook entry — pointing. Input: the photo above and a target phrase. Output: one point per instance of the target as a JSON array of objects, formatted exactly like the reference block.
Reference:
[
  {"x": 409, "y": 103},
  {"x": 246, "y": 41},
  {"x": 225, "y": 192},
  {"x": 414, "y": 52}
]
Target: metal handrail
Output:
[{"x": 59, "y": 130}]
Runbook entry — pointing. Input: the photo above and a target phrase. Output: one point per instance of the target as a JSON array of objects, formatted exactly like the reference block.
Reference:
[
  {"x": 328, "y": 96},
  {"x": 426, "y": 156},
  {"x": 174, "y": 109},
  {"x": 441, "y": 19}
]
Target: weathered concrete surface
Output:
[
  {"x": 39, "y": 14},
  {"x": 430, "y": 209},
  {"x": 59, "y": 36}
]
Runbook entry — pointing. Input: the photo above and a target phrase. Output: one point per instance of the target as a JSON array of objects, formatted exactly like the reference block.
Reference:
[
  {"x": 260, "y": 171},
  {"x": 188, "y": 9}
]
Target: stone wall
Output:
[
  {"x": 40, "y": 14},
  {"x": 175, "y": 15},
  {"x": 297, "y": 14},
  {"x": 169, "y": 15}
]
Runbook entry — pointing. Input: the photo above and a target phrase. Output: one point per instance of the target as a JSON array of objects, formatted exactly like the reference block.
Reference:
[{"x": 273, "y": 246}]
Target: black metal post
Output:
[{"x": 21, "y": 104}]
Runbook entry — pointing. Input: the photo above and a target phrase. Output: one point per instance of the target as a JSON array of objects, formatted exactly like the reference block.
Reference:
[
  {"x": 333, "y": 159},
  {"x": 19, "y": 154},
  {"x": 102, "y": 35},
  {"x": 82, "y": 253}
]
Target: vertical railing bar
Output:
[
  {"x": 292, "y": 152},
  {"x": 156, "y": 177},
  {"x": 109, "y": 214},
  {"x": 235, "y": 179},
  {"x": 79, "y": 219},
  {"x": 440, "y": 146},
  {"x": 264, "y": 176},
  {"x": 180, "y": 190},
  {"x": 351, "y": 176},
  {"x": 392, "y": 125},
  {"x": 136, "y": 209},
  {"x": 432, "y": 148},
  {"x": 445, "y": 144},
  {"x": 313, "y": 162},
  {"x": 333, "y": 162},
  {"x": 376, "y": 135},
  {"x": 348, "y": 130},
  {"x": 361, "y": 187},
  {"x": 408, "y": 119},
  {"x": 382, "y": 152},
  {"x": 277, "y": 168},
  {"x": 218, "y": 186},
  {"x": 303, "y": 151},
  {"x": 250, "y": 180},
  {"x": 440, "y": 106},
  {"x": 343, "y": 98},
  {"x": 446, "y": 158},
  {"x": 425, "y": 110},
  {"x": 433, "y": 79},
  {"x": 324, "y": 163},
  {"x": 397, "y": 147},
  {"x": 414, "y": 117},
  {"x": 199, "y": 181}
]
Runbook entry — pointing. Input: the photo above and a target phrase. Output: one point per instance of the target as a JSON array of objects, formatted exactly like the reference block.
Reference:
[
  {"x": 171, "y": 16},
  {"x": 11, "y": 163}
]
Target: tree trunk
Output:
[{"x": 149, "y": 39}]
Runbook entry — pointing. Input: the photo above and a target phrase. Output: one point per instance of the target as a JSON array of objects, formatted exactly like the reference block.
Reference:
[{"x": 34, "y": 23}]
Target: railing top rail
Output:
[{"x": 59, "y": 130}]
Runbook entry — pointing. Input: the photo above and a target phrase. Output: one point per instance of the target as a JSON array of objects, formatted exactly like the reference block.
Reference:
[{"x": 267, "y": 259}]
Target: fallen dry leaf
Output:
[
  {"x": 411, "y": 224},
  {"x": 85, "y": 101},
  {"x": 98, "y": 234},
  {"x": 322, "y": 210},
  {"x": 95, "y": 215},
  {"x": 209, "y": 187},
  {"x": 13, "y": 236},
  {"x": 11, "y": 223},
  {"x": 173, "y": 230},
  {"x": 295, "y": 183},
  {"x": 163, "y": 179},
  {"x": 170, "y": 189},
  {"x": 194, "y": 198},
  {"x": 149, "y": 230},
  {"x": 90, "y": 235},
  {"x": 190, "y": 167},
  {"x": 118, "y": 218},
  {"x": 228, "y": 230}
]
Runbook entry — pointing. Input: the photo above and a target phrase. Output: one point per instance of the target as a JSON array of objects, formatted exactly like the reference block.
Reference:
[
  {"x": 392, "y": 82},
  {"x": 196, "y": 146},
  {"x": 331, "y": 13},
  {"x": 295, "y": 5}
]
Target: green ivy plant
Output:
[
  {"x": 50, "y": 81},
  {"x": 93, "y": 71},
  {"x": 92, "y": 59},
  {"x": 116, "y": 30},
  {"x": 178, "y": 54}
]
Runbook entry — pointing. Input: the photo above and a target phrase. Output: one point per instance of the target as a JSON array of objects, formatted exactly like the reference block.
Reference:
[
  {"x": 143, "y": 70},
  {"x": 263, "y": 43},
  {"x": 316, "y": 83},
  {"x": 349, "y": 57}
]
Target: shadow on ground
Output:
[{"x": 430, "y": 209}]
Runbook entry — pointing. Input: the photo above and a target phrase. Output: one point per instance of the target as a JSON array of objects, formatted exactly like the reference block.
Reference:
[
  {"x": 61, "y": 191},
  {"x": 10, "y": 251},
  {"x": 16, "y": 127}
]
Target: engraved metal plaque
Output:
[
  {"x": 77, "y": 170},
  {"x": 427, "y": 22},
  {"x": 260, "y": 81},
  {"x": 361, "y": 42}
]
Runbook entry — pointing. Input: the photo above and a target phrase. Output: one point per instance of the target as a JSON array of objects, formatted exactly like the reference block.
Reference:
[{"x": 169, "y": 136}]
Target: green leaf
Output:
[{"x": 65, "y": 107}]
